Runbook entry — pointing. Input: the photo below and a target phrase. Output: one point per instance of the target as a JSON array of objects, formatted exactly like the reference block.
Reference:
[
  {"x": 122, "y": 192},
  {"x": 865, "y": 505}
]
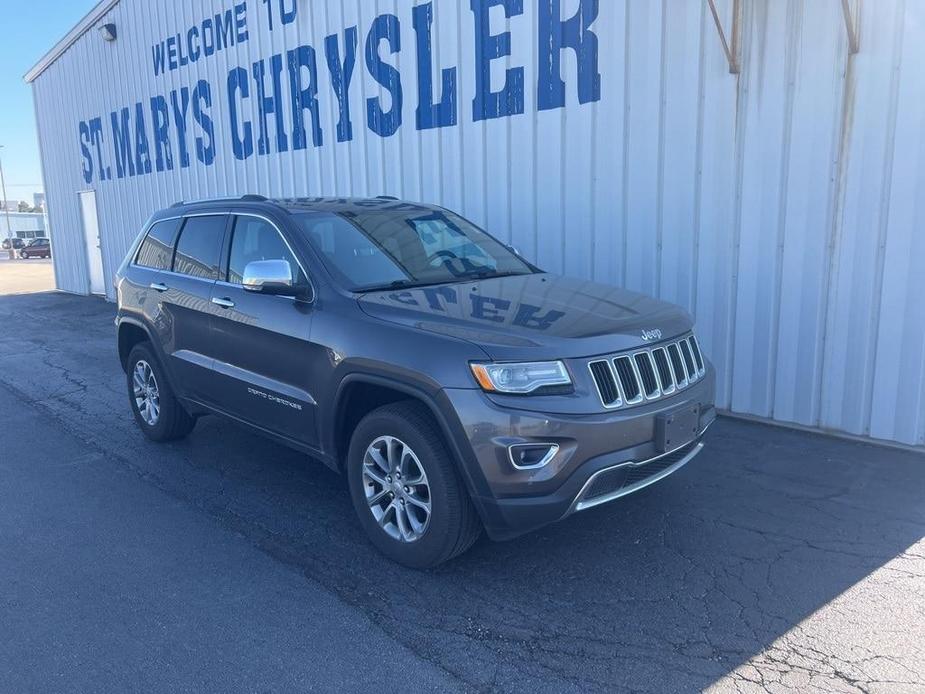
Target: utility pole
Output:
[{"x": 6, "y": 207}]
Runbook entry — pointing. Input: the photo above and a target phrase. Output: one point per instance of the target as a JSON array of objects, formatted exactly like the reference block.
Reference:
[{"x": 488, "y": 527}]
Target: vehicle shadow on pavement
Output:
[
  {"x": 670, "y": 589},
  {"x": 667, "y": 590}
]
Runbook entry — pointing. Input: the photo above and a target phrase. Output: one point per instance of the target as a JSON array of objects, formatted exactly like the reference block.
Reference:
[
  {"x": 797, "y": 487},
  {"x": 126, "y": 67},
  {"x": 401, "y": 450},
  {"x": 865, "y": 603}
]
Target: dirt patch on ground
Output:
[{"x": 26, "y": 276}]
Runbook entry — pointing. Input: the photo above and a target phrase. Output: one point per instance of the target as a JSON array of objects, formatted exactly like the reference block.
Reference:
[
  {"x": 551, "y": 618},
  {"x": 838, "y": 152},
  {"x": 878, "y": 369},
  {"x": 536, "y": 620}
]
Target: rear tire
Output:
[
  {"x": 422, "y": 540},
  {"x": 158, "y": 413}
]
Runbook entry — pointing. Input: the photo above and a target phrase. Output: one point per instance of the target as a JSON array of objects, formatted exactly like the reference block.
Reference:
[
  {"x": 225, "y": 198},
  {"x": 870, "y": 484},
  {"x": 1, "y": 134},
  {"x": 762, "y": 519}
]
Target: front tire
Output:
[
  {"x": 406, "y": 489},
  {"x": 158, "y": 413}
]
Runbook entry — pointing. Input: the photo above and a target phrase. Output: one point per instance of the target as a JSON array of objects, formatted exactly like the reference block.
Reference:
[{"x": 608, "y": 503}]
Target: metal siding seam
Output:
[
  {"x": 441, "y": 164},
  {"x": 563, "y": 177},
  {"x": 698, "y": 165},
  {"x": 841, "y": 146},
  {"x": 660, "y": 167},
  {"x": 846, "y": 348},
  {"x": 119, "y": 210},
  {"x": 884, "y": 216},
  {"x": 110, "y": 242},
  {"x": 921, "y": 435},
  {"x": 591, "y": 191},
  {"x": 901, "y": 331},
  {"x": 624, "y": 214},
  {"x": 793, "y": 30},
  {"x": 405, "y": 158},
  {"x": 461, "y": 164},
  {"x": 742, "y": 83},
  {"x": 360, "y": 136},
  {"x": 253, "y": 48},
  {"x": 55, "y": 261},
  {"x": 509, "y": 171}
]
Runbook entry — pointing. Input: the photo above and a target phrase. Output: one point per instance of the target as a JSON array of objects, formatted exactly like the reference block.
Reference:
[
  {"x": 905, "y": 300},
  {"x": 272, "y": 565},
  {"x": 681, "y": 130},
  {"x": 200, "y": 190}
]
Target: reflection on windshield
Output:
[{"x": 406, "y": 246}]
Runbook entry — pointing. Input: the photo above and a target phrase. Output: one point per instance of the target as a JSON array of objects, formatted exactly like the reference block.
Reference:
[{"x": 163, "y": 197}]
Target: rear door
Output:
[
  {"x": 186, "y": 307},
  {"x": 262, "y": 341},
  {"x": 144, "y": 277}
]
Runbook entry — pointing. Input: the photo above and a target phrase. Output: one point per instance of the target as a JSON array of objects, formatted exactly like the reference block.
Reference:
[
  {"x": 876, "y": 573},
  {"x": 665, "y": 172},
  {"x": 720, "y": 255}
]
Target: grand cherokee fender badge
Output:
[
  {"x": 648, "y": 335},
  {"x": 272, "y": 398}
]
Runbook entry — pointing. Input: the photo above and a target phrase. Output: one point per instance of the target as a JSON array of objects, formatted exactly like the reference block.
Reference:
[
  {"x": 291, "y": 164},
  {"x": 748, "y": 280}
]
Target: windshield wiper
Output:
[
  {"x": 399, "y": 284},
  {"x": 487, "y": 275},
  {"x": 414, "y": 284}
]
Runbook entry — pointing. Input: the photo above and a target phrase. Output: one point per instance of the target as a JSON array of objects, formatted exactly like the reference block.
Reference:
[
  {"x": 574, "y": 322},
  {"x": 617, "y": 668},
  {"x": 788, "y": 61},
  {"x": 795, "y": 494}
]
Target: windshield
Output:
[{"x": 406, "y": 246}]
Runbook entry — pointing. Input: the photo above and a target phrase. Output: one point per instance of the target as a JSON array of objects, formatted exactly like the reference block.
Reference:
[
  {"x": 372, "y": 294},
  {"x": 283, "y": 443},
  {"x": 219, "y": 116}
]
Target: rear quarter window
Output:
[{"x": 156, "y": 250}]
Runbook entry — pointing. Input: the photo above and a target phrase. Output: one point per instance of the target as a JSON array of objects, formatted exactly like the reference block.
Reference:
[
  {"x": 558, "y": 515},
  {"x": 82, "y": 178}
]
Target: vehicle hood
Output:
[{"x": 538, "y": 316}]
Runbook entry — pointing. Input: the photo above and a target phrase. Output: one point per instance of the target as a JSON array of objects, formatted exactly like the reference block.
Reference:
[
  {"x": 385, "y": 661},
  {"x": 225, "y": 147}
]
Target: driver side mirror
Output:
[{"x": 273, "y": 277}]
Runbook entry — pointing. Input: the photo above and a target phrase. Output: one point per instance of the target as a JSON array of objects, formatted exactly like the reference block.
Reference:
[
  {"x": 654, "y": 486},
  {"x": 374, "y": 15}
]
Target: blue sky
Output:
[{"x": 30, "y": 29}]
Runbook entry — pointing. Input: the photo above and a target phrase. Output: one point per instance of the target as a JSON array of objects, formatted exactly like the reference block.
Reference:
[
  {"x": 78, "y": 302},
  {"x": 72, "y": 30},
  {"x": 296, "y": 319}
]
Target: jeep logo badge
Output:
[{"x": 648, "y": 335}]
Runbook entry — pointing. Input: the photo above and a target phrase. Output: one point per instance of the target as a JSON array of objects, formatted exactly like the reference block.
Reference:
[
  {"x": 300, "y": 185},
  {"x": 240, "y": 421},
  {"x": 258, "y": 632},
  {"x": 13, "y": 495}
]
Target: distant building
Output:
[
  {"x": 24, "y": 225},
  {"x": 38, "y": 201}
]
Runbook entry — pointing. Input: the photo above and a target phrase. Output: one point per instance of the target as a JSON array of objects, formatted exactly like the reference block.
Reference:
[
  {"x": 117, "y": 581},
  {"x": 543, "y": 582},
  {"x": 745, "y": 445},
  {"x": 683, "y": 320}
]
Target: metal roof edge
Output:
[{"x": 82, "y": 27}]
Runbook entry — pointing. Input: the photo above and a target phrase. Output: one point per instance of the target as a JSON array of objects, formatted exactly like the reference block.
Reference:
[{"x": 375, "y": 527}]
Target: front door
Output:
[
  {"x": 262, "y": 341},
  {"x": 91, "y": 224}
]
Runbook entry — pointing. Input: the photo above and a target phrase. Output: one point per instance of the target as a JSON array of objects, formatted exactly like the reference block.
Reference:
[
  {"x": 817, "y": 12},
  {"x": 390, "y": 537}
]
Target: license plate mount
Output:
[{"x": 677, "y": 428}]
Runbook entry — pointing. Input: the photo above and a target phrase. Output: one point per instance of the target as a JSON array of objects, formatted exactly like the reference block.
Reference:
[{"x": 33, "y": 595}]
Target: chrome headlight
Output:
[{"x": 524, "y": 377}]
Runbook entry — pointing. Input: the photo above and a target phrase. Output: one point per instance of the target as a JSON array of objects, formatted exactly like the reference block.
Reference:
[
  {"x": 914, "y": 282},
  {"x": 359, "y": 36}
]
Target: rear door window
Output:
[
  {"x": 199, "y": 249},
  {"x": 156, "y": 251}
]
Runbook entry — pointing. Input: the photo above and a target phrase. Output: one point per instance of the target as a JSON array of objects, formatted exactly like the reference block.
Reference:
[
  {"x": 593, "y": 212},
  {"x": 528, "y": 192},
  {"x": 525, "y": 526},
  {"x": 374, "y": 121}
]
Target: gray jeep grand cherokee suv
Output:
[{"x": 456, "y": 385}]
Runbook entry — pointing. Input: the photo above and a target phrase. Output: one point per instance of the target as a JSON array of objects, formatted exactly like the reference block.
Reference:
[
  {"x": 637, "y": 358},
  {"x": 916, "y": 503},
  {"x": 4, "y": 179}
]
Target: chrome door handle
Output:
[
  {"x": 159, "y": 287},
  {"x": 224, "y": 303}
]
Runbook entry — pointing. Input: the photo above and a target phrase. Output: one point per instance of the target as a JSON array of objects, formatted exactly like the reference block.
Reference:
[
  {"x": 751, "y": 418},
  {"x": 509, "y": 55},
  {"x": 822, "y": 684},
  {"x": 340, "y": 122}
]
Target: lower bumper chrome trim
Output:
[{"x": 579, "y": 505}]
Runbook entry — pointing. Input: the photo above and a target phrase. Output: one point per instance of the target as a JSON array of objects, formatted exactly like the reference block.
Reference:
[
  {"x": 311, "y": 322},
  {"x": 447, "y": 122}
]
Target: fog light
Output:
[{"x": 530, "y": 456}]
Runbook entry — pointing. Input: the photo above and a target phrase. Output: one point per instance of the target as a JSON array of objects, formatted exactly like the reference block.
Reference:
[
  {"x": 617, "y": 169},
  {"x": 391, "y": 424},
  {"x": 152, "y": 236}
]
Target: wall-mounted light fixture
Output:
[{"x": 108, "y": 32}]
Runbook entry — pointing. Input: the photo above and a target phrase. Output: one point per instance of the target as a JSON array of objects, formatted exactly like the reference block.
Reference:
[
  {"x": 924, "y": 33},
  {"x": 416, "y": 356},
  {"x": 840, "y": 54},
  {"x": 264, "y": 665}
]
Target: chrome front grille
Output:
[{"x": 648, "y": 374}]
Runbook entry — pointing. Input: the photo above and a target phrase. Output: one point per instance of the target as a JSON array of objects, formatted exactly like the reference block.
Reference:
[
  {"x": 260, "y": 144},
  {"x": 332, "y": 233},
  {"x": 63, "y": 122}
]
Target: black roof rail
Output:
[
  {"x": 386, "y": 197},
  {"x": 243, "y": 198}
]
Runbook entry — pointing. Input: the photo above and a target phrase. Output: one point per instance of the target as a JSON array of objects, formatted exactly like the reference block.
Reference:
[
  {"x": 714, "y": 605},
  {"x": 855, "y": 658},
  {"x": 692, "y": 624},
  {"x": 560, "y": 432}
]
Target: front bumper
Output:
[{"x": 600, "y": 457}]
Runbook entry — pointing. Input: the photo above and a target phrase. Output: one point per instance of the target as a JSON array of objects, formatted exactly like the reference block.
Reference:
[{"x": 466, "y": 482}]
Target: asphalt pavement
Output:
[{"x": 776, "y": 560}]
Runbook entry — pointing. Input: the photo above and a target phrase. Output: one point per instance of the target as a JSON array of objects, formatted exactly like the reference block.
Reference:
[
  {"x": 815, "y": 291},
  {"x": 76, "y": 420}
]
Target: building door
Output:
[{"x": 92, "y": 239}]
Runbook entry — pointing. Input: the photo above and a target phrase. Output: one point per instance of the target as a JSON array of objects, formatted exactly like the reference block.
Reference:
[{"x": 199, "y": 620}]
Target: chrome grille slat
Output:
[
  {"x": 606, "y": 382},
  {"x": 629, "y": 380},
  {"x": 677, "y": 365},
  {"x": 688, "y": 360},
  {"x": 647, "y": 378},
  {"x": 698, "y": 356},
  {"x": 666, "y": 378},
  {"x": 648, "y": 374}
]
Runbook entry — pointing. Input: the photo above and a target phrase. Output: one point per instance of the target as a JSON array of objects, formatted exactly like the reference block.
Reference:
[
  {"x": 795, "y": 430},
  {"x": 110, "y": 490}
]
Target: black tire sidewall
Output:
[
  {"x": 432, "y": 548},
  {"x": 161, "y": 430}
]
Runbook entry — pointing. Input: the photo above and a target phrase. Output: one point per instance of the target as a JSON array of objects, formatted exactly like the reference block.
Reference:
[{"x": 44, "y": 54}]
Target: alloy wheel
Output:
[
  {"x": 396, "y": 488},
  {"x": 145, "y": 390}
]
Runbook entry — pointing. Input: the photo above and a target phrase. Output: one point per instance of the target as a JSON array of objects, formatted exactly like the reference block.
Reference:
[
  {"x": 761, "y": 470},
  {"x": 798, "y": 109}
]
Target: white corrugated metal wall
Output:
[{"x": 780, "y": 206}]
